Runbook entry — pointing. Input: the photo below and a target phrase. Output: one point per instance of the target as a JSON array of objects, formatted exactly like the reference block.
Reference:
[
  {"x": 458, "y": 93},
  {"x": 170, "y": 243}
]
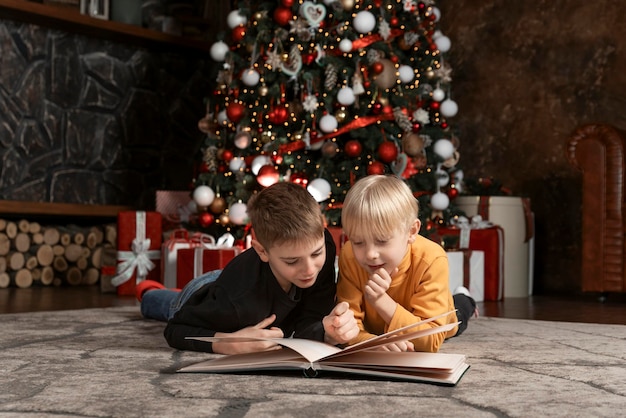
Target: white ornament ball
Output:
[
  {"x": 439, "y": 201},
  {"x": 203, "y": 196},
  {"x": 238, "y": 213},
  {"x": 444, "y": 148},
  {"x": 448, "y": 108},
  {"x": 328, "y": 123},
  {"x": 235, "y": 18},
  {"x": 436, "y": 12},
  {"x": 458, "y": 175},
  {"x": 222, "y": 117},
  {"x": 259, "y": 162},
  {"x": 443, "y": 43},
  {"x": 345, "y": 45},
  {"x": 406, "y": 73},
  {"x": 346, "y": 96},
  {"x": 237, "y": 164},
  {"x": 219, "y": 50},
  {"x": 250, "y": 77},
  {"x": 438, "y": 94},
  {"x": 364, "y": 22},
  {"x": 437, "y": 34},
  {"x": 319, "y": 189},
  {"x": 242, "y": 140}
]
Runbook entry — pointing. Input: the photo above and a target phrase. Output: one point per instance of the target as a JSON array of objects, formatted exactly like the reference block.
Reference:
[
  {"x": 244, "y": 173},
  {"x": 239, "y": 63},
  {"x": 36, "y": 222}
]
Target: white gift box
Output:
[
  {"x": 514, "y": 215},
  {"x": 467, "y": 268}
]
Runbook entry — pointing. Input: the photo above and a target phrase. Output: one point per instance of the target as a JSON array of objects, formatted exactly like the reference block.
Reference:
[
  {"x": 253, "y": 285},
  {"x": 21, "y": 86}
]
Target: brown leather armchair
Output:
[{"x": 598, "y": 151}]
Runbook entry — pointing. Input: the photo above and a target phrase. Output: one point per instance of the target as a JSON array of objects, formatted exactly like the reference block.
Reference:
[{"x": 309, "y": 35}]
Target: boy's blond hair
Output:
[
  {"x": 285, "y": 212},
  {"x": 377, "y": 206}
]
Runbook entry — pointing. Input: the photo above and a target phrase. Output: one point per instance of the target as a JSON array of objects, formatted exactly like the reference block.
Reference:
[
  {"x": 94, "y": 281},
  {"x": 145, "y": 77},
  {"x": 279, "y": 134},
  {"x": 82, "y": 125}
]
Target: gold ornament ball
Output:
[
  {"x": 218, "y": 205},
  {"x": 347, "y": 4},
  {"x": 224, "y": 219},
  {"x": 263, "y": 90},
  {"x": 329, "y": 149},
  {"x": 387, "y": 78},
  {"x": 412, "y": 144},
  {"x": 266, "y": 137},
  {"x": 341, "y": 115}
]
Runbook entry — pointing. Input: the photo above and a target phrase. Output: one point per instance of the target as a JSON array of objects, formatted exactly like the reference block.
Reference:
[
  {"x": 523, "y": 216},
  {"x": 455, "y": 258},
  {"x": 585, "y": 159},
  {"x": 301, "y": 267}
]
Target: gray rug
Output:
[{"x": 112, "y": 363}]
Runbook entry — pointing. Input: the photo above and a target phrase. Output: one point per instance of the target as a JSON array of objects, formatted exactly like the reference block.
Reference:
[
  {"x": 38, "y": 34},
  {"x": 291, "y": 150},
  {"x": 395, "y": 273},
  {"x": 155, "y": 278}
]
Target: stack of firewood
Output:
[{"x": 31, "y": 253}]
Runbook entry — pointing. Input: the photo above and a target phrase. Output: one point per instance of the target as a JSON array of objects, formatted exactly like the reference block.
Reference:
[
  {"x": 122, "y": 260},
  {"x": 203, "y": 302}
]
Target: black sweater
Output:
[{"x": 246, "y": 293}]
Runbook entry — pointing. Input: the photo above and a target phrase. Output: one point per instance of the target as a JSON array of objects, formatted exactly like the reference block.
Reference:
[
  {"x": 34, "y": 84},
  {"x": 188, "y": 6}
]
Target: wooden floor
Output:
[{"x": 576, "y": 308}]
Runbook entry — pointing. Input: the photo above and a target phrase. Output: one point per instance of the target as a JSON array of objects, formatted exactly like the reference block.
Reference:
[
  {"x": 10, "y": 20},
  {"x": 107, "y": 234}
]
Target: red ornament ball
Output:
[
  {"x": 300, "y": 179},
  {"x": 287, "y": 3},
  {"x": 353, "y": 148},
  {"x": 434, "y": 105},
  {"x": 226, "y": 155},
  {"x": 206, "y": 219},
  {"x": 375, "y": 167},
  {"x": 238, "y": 33},
  {"x": 235, "y": 112},
  {"x": 387, "y": 152},
  {"x": 283, "y": 15},
  {"x": 394, "y": 21},
  {"x": 453, "y": 192},
  {"x": 378, "y": 67},
  {"x": 278, "y": 115},
  {"x": 268, "y": 175}
]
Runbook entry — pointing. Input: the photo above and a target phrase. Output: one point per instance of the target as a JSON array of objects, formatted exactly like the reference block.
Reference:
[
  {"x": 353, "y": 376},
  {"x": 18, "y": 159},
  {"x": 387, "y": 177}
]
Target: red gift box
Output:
[
  {"x": 139, "y": 237},
  {"x": 491, "y": 241},
  {"x": 193, "y": 262},
  {"x": 179, "y": 239}
]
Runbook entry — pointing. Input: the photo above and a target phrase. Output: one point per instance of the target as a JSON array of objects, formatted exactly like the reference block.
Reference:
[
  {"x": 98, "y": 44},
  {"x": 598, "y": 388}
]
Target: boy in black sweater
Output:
[{"x": 283, "y": 286}]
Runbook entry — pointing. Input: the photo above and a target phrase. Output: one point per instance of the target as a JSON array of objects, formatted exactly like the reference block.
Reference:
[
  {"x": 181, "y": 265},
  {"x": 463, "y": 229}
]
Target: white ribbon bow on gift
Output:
[
  {"x": 466, "y": 226},
  {"x": 138, "y": 259},
  {"x": 476, "y": 223},
  {"x": 224, "y": 242}
]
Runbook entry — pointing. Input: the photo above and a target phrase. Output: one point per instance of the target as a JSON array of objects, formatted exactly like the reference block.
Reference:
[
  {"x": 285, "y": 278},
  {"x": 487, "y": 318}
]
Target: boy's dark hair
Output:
[{"x": 285, "y": 212}]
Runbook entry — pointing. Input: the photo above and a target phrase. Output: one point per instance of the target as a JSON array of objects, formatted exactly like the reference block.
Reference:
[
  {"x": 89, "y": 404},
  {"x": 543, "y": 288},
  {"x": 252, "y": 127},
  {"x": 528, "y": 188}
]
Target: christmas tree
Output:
[{"x": 322, "y": 93}]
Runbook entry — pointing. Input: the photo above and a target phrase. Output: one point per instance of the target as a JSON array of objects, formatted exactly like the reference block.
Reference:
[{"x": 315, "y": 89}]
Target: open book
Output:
[{"x": 363, "y": 358}]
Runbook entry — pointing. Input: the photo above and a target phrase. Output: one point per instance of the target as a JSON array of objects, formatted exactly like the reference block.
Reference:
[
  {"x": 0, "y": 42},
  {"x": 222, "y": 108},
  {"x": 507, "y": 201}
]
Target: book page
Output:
[
  {"x": 314, "y": 351},
  {"x": 310, "y": 350}
]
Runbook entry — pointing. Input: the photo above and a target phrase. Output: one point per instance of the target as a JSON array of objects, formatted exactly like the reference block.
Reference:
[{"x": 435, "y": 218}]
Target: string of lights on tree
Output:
[{"x": 322, "y": 93}]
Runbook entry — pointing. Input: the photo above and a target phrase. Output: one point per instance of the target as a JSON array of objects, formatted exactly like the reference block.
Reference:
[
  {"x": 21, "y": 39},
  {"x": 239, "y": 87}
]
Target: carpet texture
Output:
[{"x": 112, "y": 363}]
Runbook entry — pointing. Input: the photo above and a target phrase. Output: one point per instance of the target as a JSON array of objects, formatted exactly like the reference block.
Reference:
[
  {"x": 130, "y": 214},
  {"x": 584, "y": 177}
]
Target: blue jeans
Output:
[{"x": 162, "y": 304}]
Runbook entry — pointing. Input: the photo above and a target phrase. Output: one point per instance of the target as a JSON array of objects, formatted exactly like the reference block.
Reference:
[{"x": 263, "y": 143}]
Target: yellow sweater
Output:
[{"x": 420, "y": 289}]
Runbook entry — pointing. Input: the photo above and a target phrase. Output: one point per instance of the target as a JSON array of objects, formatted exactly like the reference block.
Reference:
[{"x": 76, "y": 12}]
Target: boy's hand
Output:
[
  {"x": 340, "y": 325},
  {"x": 257, "y": 331},
  {"x": 378, "y": 284},
  {"x": 399, "y": 346},
  {"x": 375, "y": 292}
]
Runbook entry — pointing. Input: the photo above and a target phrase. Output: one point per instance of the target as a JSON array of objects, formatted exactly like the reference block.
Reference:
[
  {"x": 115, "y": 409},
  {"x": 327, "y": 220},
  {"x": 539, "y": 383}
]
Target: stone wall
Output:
[
  {"x": 526, "y": 74},
  {"x": 85, "y": 120}
]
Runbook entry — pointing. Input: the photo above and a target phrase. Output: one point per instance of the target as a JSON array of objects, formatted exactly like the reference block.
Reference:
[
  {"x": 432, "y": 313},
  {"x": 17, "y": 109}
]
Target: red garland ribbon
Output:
[
  {"x": 368, "y": 40},
  {"x": 355, "y": 124}
]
